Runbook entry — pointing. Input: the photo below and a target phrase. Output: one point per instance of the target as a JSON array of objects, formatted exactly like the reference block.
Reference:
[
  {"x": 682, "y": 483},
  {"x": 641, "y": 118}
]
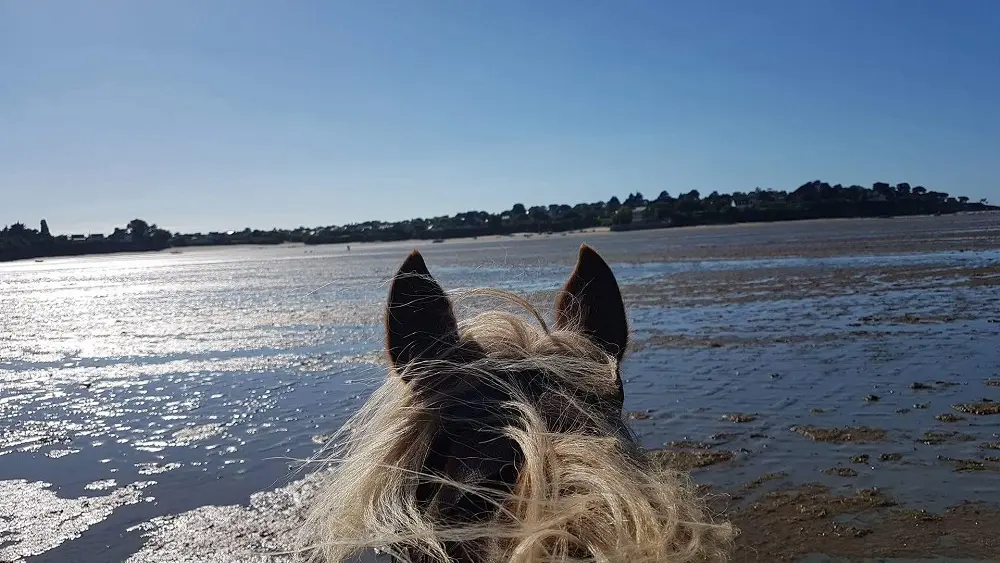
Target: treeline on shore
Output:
[{"x": 813, "y": 200}]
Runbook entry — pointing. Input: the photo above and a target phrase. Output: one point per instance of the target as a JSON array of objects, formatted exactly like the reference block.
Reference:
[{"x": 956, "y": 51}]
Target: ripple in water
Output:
[{"x": 215, "y": 370}]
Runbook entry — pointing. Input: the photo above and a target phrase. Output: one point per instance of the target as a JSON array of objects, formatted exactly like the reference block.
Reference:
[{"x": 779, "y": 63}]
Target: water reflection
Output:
[{"x": 210, "y": 372}]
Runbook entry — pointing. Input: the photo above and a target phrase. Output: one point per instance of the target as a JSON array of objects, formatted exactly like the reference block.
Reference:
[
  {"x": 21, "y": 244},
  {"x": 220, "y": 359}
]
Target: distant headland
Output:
[{"x": 813, "y": 200}]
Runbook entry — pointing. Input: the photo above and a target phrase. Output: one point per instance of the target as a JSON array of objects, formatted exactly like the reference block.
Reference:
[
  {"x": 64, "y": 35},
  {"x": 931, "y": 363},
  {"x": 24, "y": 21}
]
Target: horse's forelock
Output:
[{"x": 427, "y": 475}]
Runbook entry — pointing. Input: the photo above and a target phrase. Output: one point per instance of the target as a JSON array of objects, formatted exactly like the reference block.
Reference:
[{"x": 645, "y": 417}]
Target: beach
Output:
[{"x": 830, "y": 385}]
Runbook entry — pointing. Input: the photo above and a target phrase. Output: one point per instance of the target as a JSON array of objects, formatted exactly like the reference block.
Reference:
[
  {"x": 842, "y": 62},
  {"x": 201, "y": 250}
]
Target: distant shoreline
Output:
[
  {"x": 601, "y": 231},
  {"x": 810, "y": 201}
]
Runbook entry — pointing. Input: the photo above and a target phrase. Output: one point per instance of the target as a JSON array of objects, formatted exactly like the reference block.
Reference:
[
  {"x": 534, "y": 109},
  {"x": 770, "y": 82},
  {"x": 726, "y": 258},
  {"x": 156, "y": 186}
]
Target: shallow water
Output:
[{"x": 201, "y": 378}]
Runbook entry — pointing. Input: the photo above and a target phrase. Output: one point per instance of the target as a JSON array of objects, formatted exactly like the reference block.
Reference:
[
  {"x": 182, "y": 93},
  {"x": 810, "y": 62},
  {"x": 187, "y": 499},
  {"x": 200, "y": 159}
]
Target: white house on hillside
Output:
[{"x": 639, "y": 214}]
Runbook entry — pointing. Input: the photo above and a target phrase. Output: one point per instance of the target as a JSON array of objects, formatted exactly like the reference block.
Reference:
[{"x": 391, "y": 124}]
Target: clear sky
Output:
[{"x": 223, "y": 114}]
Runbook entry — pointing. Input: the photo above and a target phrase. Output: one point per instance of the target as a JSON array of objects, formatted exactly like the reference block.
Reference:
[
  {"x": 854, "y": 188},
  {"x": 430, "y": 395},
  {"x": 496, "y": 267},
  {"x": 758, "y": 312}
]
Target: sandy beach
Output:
[{"x": 830, "y": 385}]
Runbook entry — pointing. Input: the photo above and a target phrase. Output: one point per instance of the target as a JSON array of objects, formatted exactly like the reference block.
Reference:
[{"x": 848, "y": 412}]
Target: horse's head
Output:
[
  {"x": 495, "y": 439},
  {"x": 475, "y": 380}
]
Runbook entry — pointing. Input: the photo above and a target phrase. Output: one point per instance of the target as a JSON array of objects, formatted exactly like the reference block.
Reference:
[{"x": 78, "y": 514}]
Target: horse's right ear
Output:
[
  {"x": 419, "y": 320},
  {"x": 591, "y": 302}
]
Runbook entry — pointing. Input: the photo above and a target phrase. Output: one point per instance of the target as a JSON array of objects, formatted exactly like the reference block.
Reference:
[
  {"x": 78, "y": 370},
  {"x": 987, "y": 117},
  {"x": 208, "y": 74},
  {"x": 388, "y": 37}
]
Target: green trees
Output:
[
  {"x": 17, "y": 241},
  {"x": 814, "y": 199},
  {"x": 623, "y": 216},
  {"x": 138, "y": 229},
  {"x": 614, "y": 205}
]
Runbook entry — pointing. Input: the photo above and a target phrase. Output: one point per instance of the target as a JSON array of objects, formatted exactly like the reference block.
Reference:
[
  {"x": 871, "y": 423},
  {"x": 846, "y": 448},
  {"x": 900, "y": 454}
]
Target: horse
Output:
[{"x": 497, "y": 439}]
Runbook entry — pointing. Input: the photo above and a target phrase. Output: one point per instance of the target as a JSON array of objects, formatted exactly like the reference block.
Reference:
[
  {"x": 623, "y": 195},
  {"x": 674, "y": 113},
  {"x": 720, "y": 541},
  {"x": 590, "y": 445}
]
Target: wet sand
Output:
[
  {"x": 782, "y": 520},
  {"x": 831, "y": 386},
  {"x": 777, "y": 522}
]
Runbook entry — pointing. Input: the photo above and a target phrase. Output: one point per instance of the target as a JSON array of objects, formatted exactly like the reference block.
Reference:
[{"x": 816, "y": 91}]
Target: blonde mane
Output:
[{"x": 584, "y": 490}]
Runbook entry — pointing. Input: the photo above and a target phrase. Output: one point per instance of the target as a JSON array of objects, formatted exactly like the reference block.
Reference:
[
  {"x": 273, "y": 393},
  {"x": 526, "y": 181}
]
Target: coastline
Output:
[
  {"x": 516, "y": 236},
  {"x": 745, "y": 368}
]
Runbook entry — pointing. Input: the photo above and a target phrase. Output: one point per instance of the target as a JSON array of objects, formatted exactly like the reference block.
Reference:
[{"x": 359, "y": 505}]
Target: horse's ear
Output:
[
  {"x": 592, "y": 303},
  {"x": 419, "y": 320}
]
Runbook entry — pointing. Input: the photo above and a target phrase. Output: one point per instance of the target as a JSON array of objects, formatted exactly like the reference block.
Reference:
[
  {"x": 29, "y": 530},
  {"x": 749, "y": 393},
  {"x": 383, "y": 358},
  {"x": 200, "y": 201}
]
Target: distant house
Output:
[
  {"x": 78, "y": 238},
  {"x": 742, "y": 202},
  {"x": 95, "y": 237},
  {"x": 639, "y": 214}
]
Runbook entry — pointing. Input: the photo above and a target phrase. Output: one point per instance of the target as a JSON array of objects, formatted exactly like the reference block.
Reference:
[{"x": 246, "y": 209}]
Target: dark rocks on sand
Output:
[
  {"x": 965, "y": 465},
  {"x": 981, "y": 408},
  {"x": 688, "y": 445},
  {"x": 935, "y": 438},
  {"x": 845, "y": 435},
  {"x": 687, "y": 460},
  {"x": 841, "y": 472},
  {"x": 792, "y": 524},
  {"x": 756, "y": 483}
]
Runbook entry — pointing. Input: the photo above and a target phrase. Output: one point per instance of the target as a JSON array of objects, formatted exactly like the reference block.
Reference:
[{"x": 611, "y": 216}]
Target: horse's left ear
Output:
[
  {"x": 592, "y": 303},
  {"x": 419, "y": 320}
]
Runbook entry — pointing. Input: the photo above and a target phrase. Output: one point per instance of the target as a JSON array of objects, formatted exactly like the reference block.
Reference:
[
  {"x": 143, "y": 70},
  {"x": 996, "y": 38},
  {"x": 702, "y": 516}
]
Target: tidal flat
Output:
[{"x": 158, "y": 406}]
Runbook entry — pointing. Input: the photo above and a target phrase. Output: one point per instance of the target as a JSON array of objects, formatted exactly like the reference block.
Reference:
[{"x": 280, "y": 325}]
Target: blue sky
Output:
[{"x": 233, "y": 113}]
